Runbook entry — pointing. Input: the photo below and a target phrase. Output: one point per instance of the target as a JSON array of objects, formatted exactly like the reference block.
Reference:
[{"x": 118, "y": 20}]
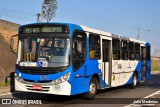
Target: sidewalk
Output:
[
  {"x": 4, "y": 90},
  {"x": 155, "y": 72}
]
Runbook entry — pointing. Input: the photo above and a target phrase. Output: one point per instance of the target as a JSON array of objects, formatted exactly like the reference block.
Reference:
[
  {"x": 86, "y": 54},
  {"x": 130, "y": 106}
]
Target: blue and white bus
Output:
[{"x": 69, "y": 59}]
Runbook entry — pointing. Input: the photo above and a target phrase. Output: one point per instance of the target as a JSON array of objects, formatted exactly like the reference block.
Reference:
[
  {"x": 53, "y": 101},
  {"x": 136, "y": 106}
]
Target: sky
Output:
[{"x": 122, "y": 17}]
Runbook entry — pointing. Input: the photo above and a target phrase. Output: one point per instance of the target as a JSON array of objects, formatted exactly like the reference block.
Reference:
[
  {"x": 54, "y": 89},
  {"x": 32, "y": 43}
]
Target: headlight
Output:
[
  {"x": 19, "y": 79},
  {"x": 66, "y": 76},
  {"x": 61, "y": 79}
]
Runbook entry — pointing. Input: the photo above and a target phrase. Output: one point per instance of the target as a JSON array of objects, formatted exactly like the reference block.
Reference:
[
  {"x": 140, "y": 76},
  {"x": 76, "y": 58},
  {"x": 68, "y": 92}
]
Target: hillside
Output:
[
  {"x": 8, "y": 29},
  {"x": 7, "y": 58}
]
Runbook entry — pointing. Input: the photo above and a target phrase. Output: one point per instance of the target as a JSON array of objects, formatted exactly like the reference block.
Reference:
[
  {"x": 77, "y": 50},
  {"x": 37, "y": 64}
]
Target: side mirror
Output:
[{"x": 11, "y": 43}]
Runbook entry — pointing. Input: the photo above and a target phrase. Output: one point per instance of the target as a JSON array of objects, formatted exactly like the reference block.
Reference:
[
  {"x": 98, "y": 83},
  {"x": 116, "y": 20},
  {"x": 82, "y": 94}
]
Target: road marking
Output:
[
  {"x": 152, "y": 94},
  {"x": 149, "y": 96},
  {"x": 9, "y": 93}
]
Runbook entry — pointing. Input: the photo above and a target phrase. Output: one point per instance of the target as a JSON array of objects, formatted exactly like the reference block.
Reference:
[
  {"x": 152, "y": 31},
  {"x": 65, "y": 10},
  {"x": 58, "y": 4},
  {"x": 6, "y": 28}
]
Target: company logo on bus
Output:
[{"x": 43, "y": 77}]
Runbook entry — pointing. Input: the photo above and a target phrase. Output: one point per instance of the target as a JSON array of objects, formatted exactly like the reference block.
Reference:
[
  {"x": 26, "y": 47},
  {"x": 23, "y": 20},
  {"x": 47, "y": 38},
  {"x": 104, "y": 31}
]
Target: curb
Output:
[{"x": 155, "y": 72}]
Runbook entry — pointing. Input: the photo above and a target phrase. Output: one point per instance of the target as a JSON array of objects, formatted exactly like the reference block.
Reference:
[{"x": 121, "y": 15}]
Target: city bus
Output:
[{"x": 69, "y": 59}]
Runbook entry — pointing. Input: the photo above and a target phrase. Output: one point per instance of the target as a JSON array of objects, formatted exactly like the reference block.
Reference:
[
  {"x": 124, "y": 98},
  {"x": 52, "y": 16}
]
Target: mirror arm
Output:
[{"x": 12, "y": 44}]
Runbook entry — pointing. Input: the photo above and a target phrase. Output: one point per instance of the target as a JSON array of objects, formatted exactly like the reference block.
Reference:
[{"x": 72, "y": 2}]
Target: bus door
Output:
[
  {"x": 144, "y": 62},
  {"x": 106, "y": 61}
]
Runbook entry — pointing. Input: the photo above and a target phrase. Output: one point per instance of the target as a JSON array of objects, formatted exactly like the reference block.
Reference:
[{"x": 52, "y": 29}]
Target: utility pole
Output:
[
  {"x": 39, "y": 17},
  {"x": 138, "y": 33},
  {"x": 2, "y": 13}
]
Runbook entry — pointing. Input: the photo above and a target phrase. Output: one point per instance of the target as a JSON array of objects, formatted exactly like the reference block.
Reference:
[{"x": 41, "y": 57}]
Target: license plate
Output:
[{"x": 37, "y": 87}]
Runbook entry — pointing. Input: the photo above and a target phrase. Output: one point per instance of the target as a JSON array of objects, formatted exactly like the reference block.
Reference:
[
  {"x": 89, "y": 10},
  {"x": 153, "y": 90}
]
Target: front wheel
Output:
[{"x": 92, "y": 90}]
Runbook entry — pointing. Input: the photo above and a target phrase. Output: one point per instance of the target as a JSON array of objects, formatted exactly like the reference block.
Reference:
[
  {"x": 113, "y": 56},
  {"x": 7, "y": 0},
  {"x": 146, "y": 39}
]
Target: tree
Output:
[{"x": 49, "y": 8}]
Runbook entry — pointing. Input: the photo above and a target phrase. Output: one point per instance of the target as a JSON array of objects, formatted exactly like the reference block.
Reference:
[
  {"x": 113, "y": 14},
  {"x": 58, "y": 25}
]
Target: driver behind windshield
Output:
[{"x": 52, "y": 48}]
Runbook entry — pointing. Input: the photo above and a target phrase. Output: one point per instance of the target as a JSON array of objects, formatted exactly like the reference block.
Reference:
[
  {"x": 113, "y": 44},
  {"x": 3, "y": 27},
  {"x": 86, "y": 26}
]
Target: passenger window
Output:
[
  {"x": 131, "y": 51},
  {"x": 116, "y": 49},
  {"x": 94, "y": 46},
  {"x": 124, "y": 48},
  {"x": 137, "y": 51}
]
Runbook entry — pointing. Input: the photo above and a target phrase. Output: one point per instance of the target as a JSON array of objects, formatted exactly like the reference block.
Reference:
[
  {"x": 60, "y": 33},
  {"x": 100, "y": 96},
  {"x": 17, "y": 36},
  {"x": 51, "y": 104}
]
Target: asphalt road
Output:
[{"x": 114, "y": 97}]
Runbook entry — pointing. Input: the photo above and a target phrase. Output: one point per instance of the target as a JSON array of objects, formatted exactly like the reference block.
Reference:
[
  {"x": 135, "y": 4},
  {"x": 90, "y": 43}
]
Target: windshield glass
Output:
[{"x": 45, "y": 52}]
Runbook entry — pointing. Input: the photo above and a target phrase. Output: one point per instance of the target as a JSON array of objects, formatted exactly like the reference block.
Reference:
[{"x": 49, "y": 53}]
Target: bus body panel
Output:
[
  {"x": 82, "y": 77},
  {"x": 137, "y": 71},
  {"x": 148, "y": 72},
  {"x": 122, "y": 71},
  {"x": 148, "y": 69}
]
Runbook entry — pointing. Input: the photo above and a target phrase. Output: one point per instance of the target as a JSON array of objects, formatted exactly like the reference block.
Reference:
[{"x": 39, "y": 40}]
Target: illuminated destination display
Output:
[{"x": 45, "y": 29}]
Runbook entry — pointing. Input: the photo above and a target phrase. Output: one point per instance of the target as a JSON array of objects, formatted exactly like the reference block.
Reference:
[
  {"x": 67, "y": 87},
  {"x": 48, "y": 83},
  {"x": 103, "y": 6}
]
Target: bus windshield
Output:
[{"x": 45, "y": 52}]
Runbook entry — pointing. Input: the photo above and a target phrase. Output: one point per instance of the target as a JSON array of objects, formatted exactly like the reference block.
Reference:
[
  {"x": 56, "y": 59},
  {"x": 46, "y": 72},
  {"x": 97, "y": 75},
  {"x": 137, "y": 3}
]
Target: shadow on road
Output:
[
  {"x": 53, "y": 99},
  {"x": 154, "y": 82}
]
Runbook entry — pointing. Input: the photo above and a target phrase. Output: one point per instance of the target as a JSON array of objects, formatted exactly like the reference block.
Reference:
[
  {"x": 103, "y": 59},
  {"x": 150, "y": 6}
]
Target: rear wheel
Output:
[
  {"x": 92, "y": 89},
  {"x": 134, "y": 82}
]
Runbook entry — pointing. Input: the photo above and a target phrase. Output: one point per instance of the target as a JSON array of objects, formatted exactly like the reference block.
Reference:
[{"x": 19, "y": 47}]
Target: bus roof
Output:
[{"x": 87, "y": 29}]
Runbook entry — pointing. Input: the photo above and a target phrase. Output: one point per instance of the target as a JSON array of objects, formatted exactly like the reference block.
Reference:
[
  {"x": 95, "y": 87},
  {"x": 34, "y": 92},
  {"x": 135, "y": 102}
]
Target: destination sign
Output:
[{"x": 44, "y": 29}]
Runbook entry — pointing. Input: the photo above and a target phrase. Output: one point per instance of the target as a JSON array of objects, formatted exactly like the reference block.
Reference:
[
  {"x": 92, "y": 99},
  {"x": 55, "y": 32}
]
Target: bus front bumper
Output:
[{"x": 59, "y": 89}]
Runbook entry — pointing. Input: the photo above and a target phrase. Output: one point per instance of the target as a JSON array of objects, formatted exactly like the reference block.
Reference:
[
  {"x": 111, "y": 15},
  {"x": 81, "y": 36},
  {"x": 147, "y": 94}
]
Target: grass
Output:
[
  {"x": 1, "y": 34},
  {"x": 14, "y": 51},
  {"x": 155, "y": 65},
  {"x": 4, "y": 84}
]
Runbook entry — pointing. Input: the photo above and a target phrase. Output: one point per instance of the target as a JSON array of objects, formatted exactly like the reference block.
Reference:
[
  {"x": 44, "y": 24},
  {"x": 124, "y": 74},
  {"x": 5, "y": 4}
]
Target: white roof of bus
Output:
[{"x": 85, "y": 28}]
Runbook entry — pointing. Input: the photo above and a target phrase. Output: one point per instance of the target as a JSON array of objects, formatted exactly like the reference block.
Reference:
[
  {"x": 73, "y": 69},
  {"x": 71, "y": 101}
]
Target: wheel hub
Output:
[{"x": 92, "y": 88}]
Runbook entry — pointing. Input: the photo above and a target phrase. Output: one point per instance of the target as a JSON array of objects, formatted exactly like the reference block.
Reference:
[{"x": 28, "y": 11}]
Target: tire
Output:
[
  {"x": 49, "y": 96},
  {"x": 92, "y": 90},
  {"x": 134, "y": 82}
]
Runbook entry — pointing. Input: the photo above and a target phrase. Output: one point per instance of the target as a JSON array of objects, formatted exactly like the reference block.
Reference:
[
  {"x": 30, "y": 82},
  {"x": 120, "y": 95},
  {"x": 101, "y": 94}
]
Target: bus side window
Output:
[
  {"x": 137, "y": 51},
  {"x": 131, "y": 51},
  {"x": 116, "y": 49},
  {"x": 94, "y": 46},
  {"x": 124, "y": 48}
]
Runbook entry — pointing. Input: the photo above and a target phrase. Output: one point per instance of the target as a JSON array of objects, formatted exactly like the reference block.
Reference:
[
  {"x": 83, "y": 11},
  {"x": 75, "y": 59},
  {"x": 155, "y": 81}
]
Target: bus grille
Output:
[
  {"x": 40, "y": 71},
  {"x": 37, "y": 72},
  {"x": 32, "y": 81}
]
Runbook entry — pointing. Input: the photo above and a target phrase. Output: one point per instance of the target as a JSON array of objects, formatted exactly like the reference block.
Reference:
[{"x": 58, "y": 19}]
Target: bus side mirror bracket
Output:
[
  {"x": 12, "y": 49},
  {"x": 11, "y": 43}
]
